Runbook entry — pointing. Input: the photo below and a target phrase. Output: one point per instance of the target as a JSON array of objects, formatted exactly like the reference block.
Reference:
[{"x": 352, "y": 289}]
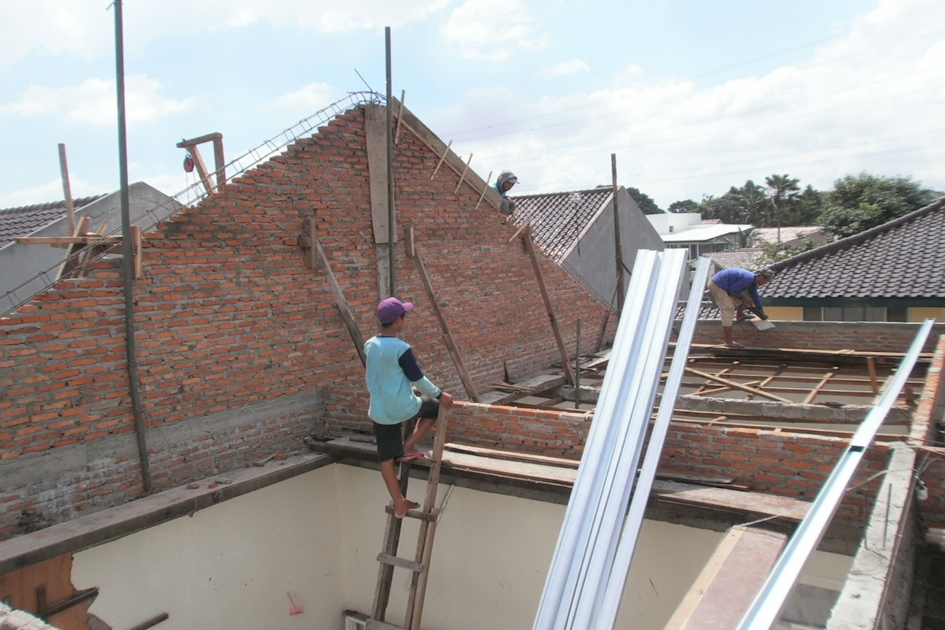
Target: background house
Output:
[
  {"x": 689, "y": 230},
  {"x": 576, "y": 230},
  {"x": 892, "y": 272},
  {"x": 22, "y": 264}
]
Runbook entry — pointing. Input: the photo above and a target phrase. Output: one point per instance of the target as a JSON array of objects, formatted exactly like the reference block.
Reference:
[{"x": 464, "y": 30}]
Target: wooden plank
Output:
[
  {"x": 737, "y": 385},
  {"x": 444, "y": 327},
  {"x": 519, "y": 231},
  {"x": 400, "y": 116},
  {"x": 513, "y": 456},
  {"x": 186, "y": 144},
  {"x": 443, "y": 157},
  {"x": 68, "y": 240},
  {"x": 562, "y": 350},
  {"x": 726, "y": 587},
  {"x": 218, "y": 161},
  {"x": 66, "y": 188},
  {"x": 871, "y": 366},
  {"x": 342, "y": 304},
  {"x": 484, "y": 189},
  {"x": 462, "y": 175},
  {"x": 403, "y": 563},
  {"x": 813, "y": 393},
  {"x": 201, "y": 168}
]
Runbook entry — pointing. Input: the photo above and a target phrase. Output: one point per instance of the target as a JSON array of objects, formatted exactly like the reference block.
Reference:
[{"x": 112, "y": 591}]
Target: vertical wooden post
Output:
[
  {"x": 66, "y": 188},
  {"x": 218, "y": 161}
]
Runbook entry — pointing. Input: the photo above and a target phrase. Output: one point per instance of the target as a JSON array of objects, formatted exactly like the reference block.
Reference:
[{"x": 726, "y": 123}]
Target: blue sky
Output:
[{"x": 693, "y": 96}]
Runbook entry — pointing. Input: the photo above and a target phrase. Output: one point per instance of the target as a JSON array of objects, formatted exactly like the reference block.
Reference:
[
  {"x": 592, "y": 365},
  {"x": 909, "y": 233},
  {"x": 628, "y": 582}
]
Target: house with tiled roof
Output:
[
  {"x": 892, "y": 272},
  {"x": 30, "y": 268},
  {"x": 790, "y": 236},
  {"x": 576, "y": 230}
]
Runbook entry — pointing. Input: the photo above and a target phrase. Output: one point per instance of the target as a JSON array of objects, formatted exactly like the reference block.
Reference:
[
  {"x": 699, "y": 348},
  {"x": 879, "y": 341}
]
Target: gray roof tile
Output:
[
  {"x": 25, "y": 220},
  {"x": 899, "y": 259},
  {"x": 558, "y": 219}
]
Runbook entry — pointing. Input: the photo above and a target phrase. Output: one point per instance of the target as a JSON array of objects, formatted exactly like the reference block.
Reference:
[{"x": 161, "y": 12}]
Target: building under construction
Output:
[{"x": 228, "y": 479}]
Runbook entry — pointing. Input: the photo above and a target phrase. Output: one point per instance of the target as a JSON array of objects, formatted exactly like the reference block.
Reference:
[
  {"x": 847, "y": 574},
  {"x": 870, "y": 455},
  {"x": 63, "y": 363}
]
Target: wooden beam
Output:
[
  {"x": 186, "y": 144},
  {"x": 519, "y": 231},
  {"x": 447, "y": 336},
  {"x": 201, "y": 168},
  {"x": 565, "y": 360},
  {"x": 484, "y": 189},
  {"x": 68, "y": 240},
  {"x": 400, "y": 116},
  {"x": 462, "y": 175},
  {"x": 66, "y": 188},
  {"x": 442, "y": 157},
  {"x": 871, "y": 366},
  {"x": 218, "y": 160},
  {"x": 738, "y": 385},
  {"x": 342, "y": 304}
]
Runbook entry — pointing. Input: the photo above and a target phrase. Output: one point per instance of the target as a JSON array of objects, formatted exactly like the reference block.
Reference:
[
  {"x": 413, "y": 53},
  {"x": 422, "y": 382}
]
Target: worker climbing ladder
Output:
[{"x": 428, "y": 515}]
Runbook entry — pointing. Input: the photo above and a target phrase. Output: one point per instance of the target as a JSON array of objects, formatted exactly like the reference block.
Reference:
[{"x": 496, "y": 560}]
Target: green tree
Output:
[
  {"x": 783, "y": 192},
  {"x": 748, "y": 204},
  {"x": 860, "y": 202},
  {"x": 682, "y": 207},
  {"x": 646, "y": 203}
]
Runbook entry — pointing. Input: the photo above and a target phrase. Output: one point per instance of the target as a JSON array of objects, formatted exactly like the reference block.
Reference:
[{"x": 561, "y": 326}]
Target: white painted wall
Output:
[{"x": 317, "y": 537}]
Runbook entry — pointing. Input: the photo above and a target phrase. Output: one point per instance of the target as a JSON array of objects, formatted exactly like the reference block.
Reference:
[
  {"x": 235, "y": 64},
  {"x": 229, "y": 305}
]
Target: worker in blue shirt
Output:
[{"x": 735, "y": 289}]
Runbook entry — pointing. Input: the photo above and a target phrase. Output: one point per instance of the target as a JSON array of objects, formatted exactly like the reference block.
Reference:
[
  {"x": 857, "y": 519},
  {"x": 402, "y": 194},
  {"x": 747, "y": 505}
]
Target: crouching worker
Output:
[
  {"x": 392, "y": 373},
  {"x": 736, "y": 289}
]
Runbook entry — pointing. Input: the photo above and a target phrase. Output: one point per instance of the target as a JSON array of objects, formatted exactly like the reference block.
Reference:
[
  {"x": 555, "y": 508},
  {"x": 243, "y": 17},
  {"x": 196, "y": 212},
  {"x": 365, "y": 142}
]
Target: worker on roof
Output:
[
  {"x": 392, "y": 373},
  {"x": 503, "y": 184},
  {"x": 734, "y": 289}
]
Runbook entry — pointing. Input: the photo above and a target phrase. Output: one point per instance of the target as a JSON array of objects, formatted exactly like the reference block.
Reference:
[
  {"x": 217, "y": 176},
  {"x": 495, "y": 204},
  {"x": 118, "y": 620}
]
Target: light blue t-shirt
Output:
[{"x": 392, "y": 397}]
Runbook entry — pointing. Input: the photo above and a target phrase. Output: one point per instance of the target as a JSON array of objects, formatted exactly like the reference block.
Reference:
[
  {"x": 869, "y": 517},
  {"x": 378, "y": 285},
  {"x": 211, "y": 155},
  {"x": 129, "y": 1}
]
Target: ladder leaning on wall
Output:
[{"x": 428, "y": 515}]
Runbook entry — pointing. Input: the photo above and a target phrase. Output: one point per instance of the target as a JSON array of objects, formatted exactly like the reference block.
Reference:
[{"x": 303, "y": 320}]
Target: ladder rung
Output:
[
  {"x": 386, "y": 558},
  {"x": 374, "y": 624},
  {"x": 423, "y": 516}
]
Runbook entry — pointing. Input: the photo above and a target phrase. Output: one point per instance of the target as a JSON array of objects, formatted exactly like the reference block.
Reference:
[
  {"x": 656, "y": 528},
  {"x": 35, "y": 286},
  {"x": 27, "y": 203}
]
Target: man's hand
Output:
[{"x": 446, "y": 399}]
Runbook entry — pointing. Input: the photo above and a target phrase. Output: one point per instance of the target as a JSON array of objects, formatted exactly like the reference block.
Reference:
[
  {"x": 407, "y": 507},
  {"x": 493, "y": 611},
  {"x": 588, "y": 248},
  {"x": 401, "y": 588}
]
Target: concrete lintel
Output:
[
  {"x": 876, "y": 572},
  {"x": 117, "y": 522}
]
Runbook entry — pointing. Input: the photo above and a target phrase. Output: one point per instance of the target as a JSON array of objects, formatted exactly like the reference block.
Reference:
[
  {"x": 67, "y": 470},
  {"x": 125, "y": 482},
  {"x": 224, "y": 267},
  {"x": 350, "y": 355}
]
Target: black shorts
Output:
[{"x": 390, "y": 437}]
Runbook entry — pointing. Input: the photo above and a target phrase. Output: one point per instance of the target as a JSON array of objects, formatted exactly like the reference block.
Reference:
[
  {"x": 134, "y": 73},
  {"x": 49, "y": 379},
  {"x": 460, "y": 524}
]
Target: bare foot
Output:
[{"x": 401, "y": 509}]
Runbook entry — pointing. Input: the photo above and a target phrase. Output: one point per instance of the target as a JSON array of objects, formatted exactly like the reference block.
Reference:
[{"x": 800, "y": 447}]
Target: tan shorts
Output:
[{"x": 727, "y": 303}]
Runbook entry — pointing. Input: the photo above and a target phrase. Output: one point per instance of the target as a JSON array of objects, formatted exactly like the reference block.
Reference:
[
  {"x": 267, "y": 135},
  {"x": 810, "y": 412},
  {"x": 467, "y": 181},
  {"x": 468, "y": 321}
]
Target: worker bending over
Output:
[
  {"x": 392, "y": 373},
  {"x": 735, "y": 289}
]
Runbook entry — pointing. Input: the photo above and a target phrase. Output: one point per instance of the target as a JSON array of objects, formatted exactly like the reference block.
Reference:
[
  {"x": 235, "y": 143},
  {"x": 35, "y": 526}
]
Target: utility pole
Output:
[
  {"x": 391, "y": 215},
  {"x": 127, "y": 253}
]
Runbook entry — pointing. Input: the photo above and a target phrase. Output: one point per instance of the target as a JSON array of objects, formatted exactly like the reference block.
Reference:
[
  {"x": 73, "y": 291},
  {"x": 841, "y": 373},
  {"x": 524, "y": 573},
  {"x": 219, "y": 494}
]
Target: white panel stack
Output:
[{"x": 584, "y": 583}]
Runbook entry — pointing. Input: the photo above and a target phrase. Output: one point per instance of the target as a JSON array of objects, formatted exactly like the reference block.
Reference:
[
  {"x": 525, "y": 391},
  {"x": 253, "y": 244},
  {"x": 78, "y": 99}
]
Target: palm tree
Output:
[{"x": 782, "y": 190}]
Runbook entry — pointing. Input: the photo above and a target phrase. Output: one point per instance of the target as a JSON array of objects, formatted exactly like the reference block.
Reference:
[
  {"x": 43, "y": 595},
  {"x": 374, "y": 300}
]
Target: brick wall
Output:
[
  {"x": 231, "y": 324},
  {"x": 787, "y": 465}
]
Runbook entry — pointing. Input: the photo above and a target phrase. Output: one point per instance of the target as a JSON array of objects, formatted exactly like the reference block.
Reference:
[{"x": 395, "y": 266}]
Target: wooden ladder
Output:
[{"x": 428, "y": 516}]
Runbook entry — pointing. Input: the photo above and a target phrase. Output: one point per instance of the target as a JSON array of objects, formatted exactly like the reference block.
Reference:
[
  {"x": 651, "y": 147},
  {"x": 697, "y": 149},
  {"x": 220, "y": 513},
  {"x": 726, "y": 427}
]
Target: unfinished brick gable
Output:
[{"x": 238, "y": 339}]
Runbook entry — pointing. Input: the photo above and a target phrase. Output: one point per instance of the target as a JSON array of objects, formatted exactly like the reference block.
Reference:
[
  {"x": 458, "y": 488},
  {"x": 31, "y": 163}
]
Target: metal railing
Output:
[{"x": 190, "y": 196}]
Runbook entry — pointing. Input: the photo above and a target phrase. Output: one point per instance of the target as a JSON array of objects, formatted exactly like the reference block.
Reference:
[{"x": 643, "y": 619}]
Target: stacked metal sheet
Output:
[{"x": 595, "y": 545}]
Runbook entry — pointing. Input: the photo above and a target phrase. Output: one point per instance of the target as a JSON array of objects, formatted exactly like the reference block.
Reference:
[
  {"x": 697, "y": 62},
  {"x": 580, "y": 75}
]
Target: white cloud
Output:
[
  {"x": 49, "y": 191},
  {"x": 492, "y": 29},
  {"x": 86, "y": 28},
  {"x": 310, "y": 99},
  {"x": 569, "y": 67},
  {"x": 869, "y": 101},
  {"x": 94, "y": 102}
]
